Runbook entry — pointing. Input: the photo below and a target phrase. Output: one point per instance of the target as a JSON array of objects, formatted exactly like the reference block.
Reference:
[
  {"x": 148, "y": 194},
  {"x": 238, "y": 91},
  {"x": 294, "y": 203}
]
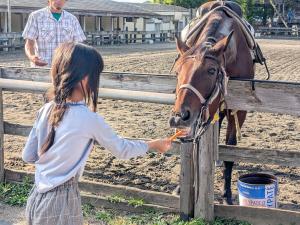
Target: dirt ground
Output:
[
  {"x": 15, "y": 216},
  {"x": 144, "y": 120},
  {"x": 11, "y": 215}
]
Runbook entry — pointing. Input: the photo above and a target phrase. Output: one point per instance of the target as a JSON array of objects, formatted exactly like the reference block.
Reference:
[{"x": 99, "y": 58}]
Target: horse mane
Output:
[
  {"x": 212, "y": 26},
  {"x": 206, "y": 39}
]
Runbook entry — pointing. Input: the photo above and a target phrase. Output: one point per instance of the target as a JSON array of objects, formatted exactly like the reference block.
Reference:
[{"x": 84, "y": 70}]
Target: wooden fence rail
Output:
[
  {"x": 12, "y": 41},
  {"x": 163, "y": 202},
  {"x": 268, "y": 96},
  {"x": 273, "y": 97},
  {"x": 279, "y": 32},
  {"x": 127, "y": 37},
  {"x": 226, "y": 152}
]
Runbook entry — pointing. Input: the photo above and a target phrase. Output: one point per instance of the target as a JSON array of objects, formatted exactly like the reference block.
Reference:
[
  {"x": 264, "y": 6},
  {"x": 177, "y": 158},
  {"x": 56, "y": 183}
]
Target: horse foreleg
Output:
[
  {"x": 231, "y": 139},
  {"x": 222, "y": 115}
]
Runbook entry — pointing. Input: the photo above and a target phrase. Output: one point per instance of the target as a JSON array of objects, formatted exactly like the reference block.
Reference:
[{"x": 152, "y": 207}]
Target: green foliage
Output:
[
  {"x": 292, "y": 3},
  {"x": 153, "y": 218},
  {"x": 116, "y": 198},
  {"x": 247, "y": 7},
  {"x": 104, "y": 216},
  {"x": 250, "y": 8},
  {"x": 183, "y": 3},
  {"x": 88, "y": 210},
  {"x": 218, "y": 221},
  {"x": 136, "y": 202},
  {"x": 15, "y": 194}
]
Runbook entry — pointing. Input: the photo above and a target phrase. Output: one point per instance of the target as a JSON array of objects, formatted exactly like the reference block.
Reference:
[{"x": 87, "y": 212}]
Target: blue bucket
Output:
[{"x": 258, "y": 189}]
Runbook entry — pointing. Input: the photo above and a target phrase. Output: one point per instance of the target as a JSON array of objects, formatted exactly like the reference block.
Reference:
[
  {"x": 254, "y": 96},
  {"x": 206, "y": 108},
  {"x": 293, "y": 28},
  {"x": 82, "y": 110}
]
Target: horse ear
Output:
[
  {"x": 222, "y": 45},
  {"x": 181, "y": 46}
]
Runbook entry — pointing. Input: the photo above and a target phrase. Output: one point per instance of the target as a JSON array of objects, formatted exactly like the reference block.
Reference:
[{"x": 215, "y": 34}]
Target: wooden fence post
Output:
[
  {"x": 204, "y": 165},
  {"x": 186, "y": 182},
  {"x": 1, "y": 135}
]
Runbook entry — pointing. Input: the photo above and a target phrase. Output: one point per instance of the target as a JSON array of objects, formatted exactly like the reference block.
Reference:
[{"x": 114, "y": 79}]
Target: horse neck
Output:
[
  {"x": 237, "y": 58},
  {"x": 224, "y": 29},
  {"x": 240, "y": 63}
]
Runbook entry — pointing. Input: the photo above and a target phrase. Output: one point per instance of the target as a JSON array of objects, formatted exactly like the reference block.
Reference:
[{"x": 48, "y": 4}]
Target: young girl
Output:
[{"x": 64, "y": 134}]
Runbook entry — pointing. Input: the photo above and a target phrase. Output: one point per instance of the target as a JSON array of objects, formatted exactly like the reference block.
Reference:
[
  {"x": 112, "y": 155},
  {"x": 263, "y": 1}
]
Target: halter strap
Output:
[
  {"x": 195, "y": 91},
  {"x": 214, "y": 94}
]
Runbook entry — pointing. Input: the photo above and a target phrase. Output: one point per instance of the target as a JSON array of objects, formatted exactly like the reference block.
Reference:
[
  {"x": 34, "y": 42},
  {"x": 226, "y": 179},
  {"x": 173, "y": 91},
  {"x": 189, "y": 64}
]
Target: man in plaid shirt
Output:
[{"x": 46, "y": 29}]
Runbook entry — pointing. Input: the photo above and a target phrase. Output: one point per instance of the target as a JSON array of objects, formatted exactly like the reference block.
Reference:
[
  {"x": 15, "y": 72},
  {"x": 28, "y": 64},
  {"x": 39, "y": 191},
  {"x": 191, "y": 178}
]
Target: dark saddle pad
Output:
[{"x": 205, "y": 8}]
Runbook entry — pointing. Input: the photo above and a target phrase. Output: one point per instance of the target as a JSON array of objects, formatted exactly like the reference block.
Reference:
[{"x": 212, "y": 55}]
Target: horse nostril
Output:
[
  {"x": 185, "y": 115},
  {"x": 174, "y": 121}
]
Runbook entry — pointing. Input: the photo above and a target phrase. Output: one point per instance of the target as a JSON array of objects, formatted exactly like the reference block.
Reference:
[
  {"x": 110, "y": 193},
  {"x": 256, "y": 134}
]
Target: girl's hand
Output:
[{"x": 160, "y": 145}]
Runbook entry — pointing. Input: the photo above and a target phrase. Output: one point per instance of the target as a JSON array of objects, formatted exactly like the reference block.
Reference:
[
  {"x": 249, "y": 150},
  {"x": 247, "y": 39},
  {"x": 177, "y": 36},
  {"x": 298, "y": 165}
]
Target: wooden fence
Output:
[
  {"x": 128, "y": 37},
  {"x": 13, "y": 41},
  {"x": 278, "y": 32},
  {"x": 273, "y": 97}
]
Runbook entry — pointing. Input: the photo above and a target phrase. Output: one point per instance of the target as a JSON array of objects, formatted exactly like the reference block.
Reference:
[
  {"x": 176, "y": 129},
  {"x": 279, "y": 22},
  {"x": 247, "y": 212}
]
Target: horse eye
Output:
[{"x": 212, "y": 71}]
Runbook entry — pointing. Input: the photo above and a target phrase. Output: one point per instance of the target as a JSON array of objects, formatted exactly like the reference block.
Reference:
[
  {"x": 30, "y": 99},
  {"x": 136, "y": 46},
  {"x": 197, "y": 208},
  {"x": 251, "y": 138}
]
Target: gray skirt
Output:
[{"x": 59, "y": 206}]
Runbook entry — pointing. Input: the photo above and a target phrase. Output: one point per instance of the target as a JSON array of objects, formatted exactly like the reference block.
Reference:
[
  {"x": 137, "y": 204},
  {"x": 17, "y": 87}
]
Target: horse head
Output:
[{"x": 201, "y": 82}]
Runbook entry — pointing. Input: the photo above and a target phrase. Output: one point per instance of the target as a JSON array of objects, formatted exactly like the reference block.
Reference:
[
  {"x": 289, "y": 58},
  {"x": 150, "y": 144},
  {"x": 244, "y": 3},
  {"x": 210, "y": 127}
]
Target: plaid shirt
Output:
[{"x": 48, "y": 33}]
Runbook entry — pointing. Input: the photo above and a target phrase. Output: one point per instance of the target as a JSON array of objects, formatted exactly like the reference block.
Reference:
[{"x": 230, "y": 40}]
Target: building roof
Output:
[
  {"x": 84, "y": 7},
  {"x": 160, "y": 7}
]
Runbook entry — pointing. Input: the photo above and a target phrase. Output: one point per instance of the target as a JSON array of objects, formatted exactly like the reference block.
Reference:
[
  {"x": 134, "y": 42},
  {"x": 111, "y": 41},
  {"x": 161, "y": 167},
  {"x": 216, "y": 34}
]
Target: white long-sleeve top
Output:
[{"x": 74, "y": 139}]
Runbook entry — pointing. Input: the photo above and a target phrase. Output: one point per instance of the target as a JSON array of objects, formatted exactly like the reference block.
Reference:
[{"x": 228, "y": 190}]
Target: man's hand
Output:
[
  {"x": 29, "y": 50},
  {"x": 37, "y": 61}
]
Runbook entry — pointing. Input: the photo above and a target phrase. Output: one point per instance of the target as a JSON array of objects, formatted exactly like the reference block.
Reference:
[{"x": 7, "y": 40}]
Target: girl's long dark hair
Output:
[{"x": 71, "y": 64}]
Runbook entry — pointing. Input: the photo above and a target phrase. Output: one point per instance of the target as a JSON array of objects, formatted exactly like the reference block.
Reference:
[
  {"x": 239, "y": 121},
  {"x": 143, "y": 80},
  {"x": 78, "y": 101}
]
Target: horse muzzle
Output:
[
  {"x": 184, "y": 125},
  {"x": 181, "y": 120}
]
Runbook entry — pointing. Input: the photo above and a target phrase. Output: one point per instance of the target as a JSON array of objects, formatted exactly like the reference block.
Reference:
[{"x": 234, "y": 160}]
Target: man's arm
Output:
[
  {"x": 78, "y": 35},
  {"x": 29, "y": 50},
  {"x": 30, "y": 34}
]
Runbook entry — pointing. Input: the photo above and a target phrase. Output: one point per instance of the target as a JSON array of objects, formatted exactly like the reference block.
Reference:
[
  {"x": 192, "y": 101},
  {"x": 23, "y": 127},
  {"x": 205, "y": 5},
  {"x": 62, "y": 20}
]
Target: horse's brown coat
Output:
[{"x": 230, "y": 52}]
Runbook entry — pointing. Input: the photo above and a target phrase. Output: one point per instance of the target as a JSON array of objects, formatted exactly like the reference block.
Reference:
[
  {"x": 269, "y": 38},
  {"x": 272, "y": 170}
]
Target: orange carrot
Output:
[{"x": 178, "y": 133}]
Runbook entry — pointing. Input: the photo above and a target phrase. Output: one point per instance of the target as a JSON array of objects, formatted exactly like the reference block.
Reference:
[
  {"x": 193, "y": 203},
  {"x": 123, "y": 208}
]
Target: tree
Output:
[
  {"x": 183, "y": 3},
  {"x": 292, "y": 3},
  {"x": 252, "y": 9},
  {"x": 248, "y": 7}
]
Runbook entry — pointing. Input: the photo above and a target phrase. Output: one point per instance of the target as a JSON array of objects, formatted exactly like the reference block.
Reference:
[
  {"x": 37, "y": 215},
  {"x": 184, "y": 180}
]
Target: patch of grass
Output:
[
  {"x": 88, "y": 210},
  {"x": 142, "y": 219},
  {"x": 104, "y": 216},
  {"x": 218, "y": 221},
  {"x": 15, "y": 194},
  {"x": 160, "y": 219},
  {"x": 116, "y": 198},
  {"x": 136, "y": 202}
]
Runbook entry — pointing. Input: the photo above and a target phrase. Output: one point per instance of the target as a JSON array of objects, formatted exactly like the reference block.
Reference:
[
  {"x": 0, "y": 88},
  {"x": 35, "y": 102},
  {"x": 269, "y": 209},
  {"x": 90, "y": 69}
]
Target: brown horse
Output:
[{"x": 220, "y": 51}]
